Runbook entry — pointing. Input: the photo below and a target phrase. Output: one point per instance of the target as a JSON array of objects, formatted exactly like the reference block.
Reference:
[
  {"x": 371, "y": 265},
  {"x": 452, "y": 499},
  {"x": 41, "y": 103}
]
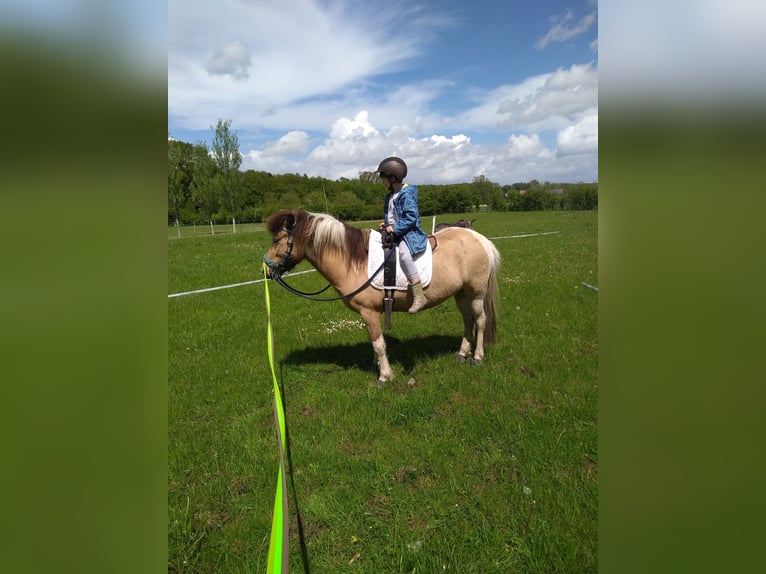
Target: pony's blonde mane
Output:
[
  {"x": 332, "y": 236},
  {"x": 328, "y": 232}
]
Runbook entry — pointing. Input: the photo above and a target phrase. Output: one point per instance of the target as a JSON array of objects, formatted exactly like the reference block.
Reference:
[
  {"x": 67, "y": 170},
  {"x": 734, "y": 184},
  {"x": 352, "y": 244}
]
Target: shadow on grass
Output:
[
  {"x": 406, "y": 352},
  {"x": 353, "y": 356}
]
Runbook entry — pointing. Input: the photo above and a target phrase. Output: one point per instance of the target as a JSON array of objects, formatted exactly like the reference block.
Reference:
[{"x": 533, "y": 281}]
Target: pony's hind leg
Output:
[
  {"x": 474, "y": 320},
  {"x": 480, "y": 319},
  {"x": 464, "y": 305}
]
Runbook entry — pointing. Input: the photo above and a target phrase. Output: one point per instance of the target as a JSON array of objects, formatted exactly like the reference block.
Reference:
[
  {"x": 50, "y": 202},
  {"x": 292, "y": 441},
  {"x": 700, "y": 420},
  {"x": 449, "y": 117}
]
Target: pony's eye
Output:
[{"x": 276, "y": 240}]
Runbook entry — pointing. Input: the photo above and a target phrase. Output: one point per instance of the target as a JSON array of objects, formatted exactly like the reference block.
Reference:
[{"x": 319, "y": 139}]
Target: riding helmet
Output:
[{"x": 393, "y": 168}]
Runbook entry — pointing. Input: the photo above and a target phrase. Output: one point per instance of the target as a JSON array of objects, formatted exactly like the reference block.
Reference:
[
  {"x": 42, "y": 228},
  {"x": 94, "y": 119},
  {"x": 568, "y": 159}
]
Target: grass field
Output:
[{"x": 449, "y": 468}]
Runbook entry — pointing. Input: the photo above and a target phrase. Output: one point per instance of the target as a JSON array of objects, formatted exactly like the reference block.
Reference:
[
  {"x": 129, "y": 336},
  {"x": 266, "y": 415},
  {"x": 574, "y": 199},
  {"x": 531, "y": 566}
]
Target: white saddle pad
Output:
[{"x": 375, "y": 260}]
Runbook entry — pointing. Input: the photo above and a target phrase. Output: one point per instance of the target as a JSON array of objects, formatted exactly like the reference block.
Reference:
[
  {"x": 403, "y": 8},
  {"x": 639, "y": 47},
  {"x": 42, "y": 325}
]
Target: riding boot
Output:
[{"x": 418, "y": 299}]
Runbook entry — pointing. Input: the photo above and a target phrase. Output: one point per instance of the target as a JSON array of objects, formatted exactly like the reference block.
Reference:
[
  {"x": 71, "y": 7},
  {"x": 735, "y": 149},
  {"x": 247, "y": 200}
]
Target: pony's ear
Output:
[{"x": 290, "y": 222}]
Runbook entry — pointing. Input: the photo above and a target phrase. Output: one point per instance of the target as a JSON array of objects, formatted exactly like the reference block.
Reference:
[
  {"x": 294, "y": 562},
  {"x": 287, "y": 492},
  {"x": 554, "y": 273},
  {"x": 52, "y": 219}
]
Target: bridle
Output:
[{"x": 276, "y": 268}]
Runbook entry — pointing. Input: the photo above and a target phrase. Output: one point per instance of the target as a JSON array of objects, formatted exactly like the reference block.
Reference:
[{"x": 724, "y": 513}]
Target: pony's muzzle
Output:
[{"x": 274, "y": 268}]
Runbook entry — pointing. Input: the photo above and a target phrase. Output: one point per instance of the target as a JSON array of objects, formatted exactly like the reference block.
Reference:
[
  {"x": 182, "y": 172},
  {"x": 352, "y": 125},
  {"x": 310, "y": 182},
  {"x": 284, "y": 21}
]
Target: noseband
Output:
[{"x": 276, "y": 268}]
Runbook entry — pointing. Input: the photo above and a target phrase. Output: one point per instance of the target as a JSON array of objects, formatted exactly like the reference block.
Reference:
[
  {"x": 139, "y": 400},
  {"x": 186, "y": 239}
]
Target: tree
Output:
[
  {"x": 497, "y": 201},
  {"x": 429, "y": 200},
  {"x": 369, "y": 177},
  {"x": 228, "y": 159},
  {"x": 581, "y": 196},
  {"x": 348, "y": 207},
  {"x": 204, "y": 191},
  {"x": 483, "y": 189},
  {"x": 515, "y": 200},
  {"x": 459, "y": 198},
  {"x": 533, "y": 199},
  {"x": 179, "y": 160}
]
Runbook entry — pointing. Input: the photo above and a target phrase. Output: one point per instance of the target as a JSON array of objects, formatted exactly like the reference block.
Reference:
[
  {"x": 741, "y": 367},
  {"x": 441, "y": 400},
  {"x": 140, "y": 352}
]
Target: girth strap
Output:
[{"x": 389, "y": 275}]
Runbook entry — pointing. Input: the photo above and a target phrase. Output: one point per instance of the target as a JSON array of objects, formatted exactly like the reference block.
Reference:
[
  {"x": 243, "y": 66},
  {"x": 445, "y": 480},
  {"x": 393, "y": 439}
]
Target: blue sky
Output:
[{"x": 504, "y": 89}]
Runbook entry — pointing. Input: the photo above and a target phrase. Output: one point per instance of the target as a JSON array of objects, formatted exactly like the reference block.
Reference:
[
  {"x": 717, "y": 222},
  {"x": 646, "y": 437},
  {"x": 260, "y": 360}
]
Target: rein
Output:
[{"x": 310, "y": 296}]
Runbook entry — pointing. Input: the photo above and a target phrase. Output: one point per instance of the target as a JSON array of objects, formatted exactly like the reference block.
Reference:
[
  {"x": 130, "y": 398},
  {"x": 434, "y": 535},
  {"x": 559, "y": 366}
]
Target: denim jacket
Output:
[{"x": 407, "y": 225}]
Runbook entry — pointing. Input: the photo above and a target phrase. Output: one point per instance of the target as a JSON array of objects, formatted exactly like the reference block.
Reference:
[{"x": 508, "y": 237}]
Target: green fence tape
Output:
[{"x": 279, "y": 543}]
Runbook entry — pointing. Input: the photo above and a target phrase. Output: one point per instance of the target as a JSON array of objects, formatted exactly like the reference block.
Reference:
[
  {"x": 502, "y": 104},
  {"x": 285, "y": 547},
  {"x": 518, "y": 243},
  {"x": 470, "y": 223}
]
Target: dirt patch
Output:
[
  {"x": 590, "y": 466},
  {"x": 457, "y": 399},
  {"x": 380, "y": 506},
  {"x": 406, "y": 474},
  {"x": 240, "y": 485},
  {"x": 532, "y": 406},
  {"x": 309, "y": 411},
  {"x": 417, "y": 523},
  {"x": 350, "y": 448},
  {"x": 210, "y": 519}
]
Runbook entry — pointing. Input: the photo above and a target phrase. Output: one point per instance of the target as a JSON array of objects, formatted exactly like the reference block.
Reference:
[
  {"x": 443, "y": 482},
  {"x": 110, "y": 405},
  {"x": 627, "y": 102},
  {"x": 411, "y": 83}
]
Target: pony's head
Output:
[{"x": 285, "y": 252}]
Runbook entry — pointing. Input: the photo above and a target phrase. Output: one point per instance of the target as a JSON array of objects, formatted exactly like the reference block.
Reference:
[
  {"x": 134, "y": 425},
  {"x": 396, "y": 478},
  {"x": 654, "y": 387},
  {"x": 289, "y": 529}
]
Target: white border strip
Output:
[{"x": 229, "y": 286}]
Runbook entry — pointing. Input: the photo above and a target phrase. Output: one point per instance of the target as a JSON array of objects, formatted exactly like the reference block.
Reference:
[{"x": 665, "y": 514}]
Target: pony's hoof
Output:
[
  {"x": 476, "y": 362},
  {"x": 380, "y": 383},
  {"x": 460, "y": 358}
]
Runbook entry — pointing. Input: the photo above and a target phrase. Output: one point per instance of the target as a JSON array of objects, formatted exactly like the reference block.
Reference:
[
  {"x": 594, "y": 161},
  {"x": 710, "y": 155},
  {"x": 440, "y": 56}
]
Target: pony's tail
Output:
[{"x": 492, "y": 299}]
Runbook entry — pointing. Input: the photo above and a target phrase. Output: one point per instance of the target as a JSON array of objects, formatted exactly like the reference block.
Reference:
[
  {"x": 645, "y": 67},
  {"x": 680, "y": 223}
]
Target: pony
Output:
[
  {"x": 465, "y": 266},
  {"x": 467, "y": 223}
]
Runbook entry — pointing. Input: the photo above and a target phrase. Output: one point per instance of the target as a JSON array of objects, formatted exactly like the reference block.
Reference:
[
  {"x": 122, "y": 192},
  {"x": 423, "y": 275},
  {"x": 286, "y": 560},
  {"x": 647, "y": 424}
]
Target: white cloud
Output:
[
  {"x": 232, "y": 59},
  {"x": 457, "y": 140},
  {"x": 360, "y": 126},
  {"x": 356, "y": 145},
  {"x": 563, "y": 30},
  {"x": 292, "y": 143},
  {"x": 579, "y": 138},
  {"x": 563, "y": 94},
  {"x": 524, "y": 146}
]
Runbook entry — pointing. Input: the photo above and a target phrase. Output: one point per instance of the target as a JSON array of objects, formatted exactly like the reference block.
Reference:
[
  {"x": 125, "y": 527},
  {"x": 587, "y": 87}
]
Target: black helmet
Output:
[{"x": 394, "y": 168}]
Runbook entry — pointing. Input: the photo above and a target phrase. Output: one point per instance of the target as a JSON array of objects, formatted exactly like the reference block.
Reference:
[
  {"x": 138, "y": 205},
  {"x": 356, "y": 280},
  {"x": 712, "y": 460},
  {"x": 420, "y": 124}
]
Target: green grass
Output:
[{"x": 449, "y": 468}]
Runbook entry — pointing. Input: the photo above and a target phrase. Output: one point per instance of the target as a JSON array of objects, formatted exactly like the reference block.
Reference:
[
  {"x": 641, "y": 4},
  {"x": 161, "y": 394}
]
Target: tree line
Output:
[{"x": 205, "y": 185}]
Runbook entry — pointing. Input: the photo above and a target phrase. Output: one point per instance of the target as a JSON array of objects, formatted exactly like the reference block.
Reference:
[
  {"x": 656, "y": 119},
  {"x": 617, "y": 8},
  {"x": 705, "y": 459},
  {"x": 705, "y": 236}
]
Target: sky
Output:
[
  {"x": 503, "y": 89},
  {"x": 506, "y": 89}
]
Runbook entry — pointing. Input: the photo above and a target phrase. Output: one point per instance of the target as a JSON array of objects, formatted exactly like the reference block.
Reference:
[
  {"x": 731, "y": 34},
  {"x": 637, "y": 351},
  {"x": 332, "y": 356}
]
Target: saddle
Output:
[{"x": 376, "y": 257}]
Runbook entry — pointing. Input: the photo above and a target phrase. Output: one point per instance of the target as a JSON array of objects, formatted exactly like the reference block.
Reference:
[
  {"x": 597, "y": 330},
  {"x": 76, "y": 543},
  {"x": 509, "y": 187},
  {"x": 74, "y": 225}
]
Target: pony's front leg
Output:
[
  {"x": 372, "y": 320},
  {"x": 465, "y": 350}
]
